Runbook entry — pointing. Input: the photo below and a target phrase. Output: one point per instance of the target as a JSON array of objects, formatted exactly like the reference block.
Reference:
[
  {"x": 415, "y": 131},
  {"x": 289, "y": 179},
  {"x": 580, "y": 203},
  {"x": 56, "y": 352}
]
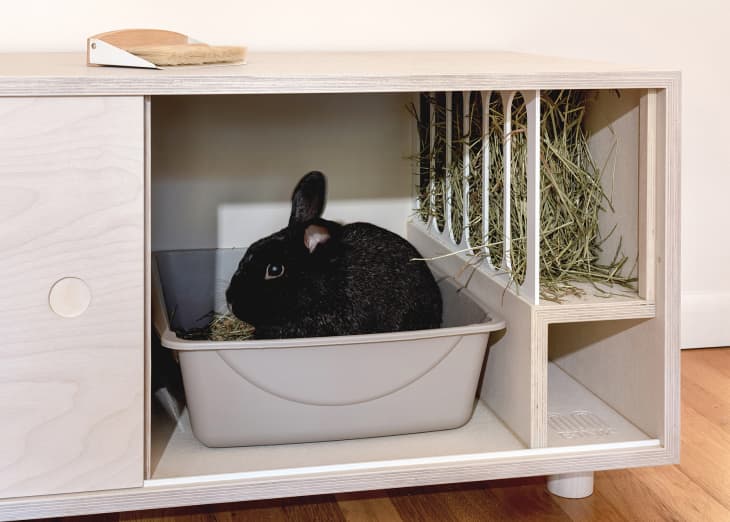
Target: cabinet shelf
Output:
[
  {"x": 577, "y": 417},
  {"x": 178, "y": 457},
  {"x": 176, "y": 453}
]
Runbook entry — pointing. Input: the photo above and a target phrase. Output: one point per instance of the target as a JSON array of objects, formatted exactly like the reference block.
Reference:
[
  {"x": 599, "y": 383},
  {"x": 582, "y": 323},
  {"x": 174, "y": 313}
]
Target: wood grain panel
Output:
[
  {"x": 71, "y": 205},
  {"x": 147, "y": 285},
  {"x": 647, "y": 194}
]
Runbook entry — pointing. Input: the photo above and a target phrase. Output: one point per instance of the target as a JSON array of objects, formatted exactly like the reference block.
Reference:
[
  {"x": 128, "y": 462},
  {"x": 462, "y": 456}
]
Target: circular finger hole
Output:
[{"x": 69, "y": 297}]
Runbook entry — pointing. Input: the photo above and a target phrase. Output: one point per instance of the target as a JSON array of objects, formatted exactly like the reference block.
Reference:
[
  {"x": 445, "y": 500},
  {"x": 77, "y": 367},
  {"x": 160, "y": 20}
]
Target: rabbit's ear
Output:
[
  {"x": 315, "y": 235},
  {"x": 307, "y": 201}
]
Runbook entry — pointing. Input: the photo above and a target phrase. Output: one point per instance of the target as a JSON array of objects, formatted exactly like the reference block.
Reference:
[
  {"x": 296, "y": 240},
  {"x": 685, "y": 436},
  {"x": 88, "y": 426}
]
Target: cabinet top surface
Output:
[{"x": 48, "y": 74}]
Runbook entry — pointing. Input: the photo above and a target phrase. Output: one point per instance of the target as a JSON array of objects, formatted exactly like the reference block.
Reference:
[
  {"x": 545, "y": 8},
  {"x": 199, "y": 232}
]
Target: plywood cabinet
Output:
[
  {"x": 96, "y": 161},
  {"x": 72, "y": 280}
]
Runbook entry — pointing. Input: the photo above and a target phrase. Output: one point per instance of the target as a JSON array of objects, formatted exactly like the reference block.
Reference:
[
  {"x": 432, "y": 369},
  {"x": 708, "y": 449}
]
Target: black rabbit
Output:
[{"x": 319, "y": 278}]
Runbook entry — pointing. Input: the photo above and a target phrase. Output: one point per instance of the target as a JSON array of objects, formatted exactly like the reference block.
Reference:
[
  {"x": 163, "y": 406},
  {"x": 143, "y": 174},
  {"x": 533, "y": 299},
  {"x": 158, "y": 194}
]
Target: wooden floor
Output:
[{"x": 697, "y": 489}]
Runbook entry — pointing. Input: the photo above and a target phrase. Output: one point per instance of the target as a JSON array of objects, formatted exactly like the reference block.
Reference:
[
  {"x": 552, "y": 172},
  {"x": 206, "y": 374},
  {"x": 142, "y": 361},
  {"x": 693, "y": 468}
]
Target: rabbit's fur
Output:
[{"x": 319, "y": 278}]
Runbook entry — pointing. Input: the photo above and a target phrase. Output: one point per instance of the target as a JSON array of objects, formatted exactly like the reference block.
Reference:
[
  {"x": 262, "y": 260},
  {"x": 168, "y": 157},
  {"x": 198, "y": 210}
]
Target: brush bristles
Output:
[{"x": 188, "y": 54}]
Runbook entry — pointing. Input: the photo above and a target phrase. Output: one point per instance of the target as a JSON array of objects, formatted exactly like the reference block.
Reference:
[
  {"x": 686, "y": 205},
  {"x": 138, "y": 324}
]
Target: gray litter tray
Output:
[{"x": 242, "y": 393}]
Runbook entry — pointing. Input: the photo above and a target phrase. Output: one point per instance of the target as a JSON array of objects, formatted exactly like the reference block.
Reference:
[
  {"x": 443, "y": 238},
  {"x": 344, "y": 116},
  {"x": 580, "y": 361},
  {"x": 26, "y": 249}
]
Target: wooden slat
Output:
[
  {"x": 647, "y": 195},
  {"x": 147, "y": 286},
  {"x": 668, "y": 267}
]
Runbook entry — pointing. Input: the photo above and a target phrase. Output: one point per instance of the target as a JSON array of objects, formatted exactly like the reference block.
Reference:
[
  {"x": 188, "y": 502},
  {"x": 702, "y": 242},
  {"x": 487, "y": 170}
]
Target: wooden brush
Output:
[{"x": 152, "y": 48}]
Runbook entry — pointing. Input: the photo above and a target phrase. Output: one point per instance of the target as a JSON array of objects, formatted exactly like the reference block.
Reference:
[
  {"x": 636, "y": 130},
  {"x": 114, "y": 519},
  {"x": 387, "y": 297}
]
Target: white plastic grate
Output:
[
  {"x": 578, "y": 424},
  {"x": 531, "y": 285}
]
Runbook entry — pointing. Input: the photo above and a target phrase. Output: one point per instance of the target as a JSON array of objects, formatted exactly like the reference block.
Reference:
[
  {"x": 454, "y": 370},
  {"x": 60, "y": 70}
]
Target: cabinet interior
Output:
[{"x": 222, "y": 170}]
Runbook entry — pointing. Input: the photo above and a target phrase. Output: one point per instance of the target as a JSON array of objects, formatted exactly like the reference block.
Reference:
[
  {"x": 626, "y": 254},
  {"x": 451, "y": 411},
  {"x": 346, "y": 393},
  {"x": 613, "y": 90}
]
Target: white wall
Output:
[
  {"x": 691, "y": 36},
  {"x": 257, "y": 148}
]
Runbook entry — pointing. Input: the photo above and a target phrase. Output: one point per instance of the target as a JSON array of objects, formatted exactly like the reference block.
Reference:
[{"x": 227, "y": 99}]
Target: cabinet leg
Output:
[{"x": 571, "y": 485}]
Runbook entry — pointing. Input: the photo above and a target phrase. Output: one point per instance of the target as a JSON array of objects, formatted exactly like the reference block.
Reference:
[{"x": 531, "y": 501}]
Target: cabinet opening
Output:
[
  {"x": 222, "y": 172},
  {"x": 605, "y": 383}
]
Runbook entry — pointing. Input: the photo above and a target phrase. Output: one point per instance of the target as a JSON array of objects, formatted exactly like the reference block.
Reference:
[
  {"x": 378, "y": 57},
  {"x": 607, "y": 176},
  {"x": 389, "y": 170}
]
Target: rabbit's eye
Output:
[{"x": 273, "y": 271}]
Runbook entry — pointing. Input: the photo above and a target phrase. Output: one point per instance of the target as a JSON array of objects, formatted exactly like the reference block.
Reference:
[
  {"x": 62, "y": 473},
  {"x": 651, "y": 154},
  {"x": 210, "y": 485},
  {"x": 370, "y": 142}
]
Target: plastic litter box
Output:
[{"x": 260, "y": 392}]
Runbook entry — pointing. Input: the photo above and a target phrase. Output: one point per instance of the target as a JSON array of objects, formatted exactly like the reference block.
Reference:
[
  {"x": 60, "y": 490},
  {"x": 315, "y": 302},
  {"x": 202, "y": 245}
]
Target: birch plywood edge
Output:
[{"x": 47, "y": 74}]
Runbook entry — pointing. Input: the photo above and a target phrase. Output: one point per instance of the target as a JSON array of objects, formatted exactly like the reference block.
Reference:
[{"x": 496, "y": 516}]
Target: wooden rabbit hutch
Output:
[{"x": 100, "y": 166}]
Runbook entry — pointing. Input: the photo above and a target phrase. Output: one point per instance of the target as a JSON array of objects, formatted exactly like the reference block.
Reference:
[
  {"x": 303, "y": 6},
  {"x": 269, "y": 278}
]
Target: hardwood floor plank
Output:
[
  {"x": 474, "y": 502},
  {"x": 423, "y": 504},
  {"x": 527, "y": 499},
  {"x": 313, "y": 509},
  {"x": 684, "y": 498},
  {"x": 261, "y": 510},
  {"x": 718, "y": 358},
  {"x": 710, "y": 369},
  {"x": 595, "y": 508},
  {"x": 630, "y": 497},
  {"x": 706, "y": 387},
  {"x": 714, "y": 408},
  {"x": 371, "y": 506},
  {"x": 705, "y": 457}
]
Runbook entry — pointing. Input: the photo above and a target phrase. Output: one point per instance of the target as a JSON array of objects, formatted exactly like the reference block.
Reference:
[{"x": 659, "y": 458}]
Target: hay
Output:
[
  {"x": 222, "y": 327},
  {"x": 228, "y": 327},
  {"x": 572, "y": 197}
]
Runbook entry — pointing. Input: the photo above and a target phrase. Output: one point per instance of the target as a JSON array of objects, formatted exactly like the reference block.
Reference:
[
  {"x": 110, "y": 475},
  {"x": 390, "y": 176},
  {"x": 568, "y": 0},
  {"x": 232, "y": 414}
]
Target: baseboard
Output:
[{"x": 705, "y": 319}]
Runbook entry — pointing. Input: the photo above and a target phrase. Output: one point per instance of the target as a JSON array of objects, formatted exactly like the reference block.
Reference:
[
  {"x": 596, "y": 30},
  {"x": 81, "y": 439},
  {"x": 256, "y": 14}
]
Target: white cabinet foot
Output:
[{"x": 571, "y": 485}]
